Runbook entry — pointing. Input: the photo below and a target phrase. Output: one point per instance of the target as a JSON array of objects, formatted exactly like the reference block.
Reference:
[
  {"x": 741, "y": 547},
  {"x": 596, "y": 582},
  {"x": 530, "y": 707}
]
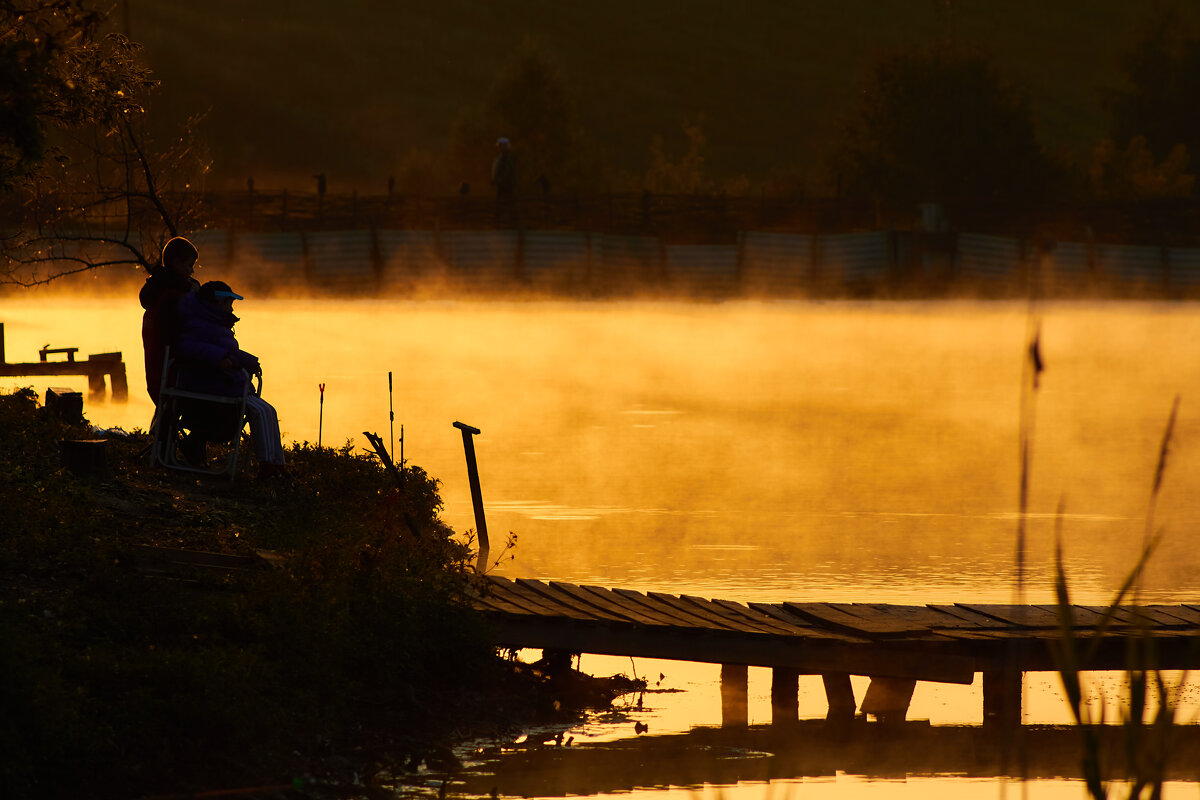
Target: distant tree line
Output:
[{"x": 936, "y": 124}]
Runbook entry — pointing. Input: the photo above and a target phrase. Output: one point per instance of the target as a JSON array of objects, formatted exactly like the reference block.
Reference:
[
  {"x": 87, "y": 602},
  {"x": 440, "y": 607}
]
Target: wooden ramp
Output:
[{"x": 893, "y": 643}]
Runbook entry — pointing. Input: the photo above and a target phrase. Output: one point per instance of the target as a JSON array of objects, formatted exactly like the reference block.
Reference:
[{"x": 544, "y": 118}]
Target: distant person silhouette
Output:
[
  {"x": 504, "y": 170},
  {"x": 169, "y": 281},
  {"x": 504, "y": 178},
  {"x": 210, "y": 361}
]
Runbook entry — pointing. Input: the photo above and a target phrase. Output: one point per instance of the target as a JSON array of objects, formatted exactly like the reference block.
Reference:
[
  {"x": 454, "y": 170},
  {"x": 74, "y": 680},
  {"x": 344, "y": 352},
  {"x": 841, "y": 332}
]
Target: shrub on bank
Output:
[{"x": 356, "y": 647}]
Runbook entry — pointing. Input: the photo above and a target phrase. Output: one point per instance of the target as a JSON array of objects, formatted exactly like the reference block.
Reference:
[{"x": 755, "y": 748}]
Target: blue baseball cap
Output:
[{"x": 215, "y": 289}]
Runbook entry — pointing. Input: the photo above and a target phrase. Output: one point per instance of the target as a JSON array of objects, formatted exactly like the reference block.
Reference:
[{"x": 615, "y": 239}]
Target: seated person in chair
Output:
[{"x": 210, "y": 361}]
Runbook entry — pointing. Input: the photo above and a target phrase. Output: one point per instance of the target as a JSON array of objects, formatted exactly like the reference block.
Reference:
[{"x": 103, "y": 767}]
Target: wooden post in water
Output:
[
  {"x": 888, "y": 698},
  {"x": 101, "y": 364},
  {"x": 840, "y": 694},
  {"x": 785, "y": 685},
  {"x": 734, "y": 691},
  {"x": 476, "y": 494},
  {"x": 1002, "y": 698}
]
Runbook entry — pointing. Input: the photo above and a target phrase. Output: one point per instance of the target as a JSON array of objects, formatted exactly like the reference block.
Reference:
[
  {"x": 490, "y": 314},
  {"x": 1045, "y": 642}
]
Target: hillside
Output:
[{"x": 294, "y": 88}]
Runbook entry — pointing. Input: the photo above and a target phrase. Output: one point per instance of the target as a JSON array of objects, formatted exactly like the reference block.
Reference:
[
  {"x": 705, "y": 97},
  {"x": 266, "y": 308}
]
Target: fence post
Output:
[
  {"x": 740, "y": 263},
  {"x": 519, "y": 256},
  {"x": 587, "y": 268},
  {"x": 377, "y": 264}
]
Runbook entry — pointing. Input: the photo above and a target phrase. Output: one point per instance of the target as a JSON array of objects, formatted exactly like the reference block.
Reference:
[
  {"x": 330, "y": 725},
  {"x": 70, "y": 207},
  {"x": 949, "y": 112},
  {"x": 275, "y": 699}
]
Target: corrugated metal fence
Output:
[{"x": 759, "y": 263}]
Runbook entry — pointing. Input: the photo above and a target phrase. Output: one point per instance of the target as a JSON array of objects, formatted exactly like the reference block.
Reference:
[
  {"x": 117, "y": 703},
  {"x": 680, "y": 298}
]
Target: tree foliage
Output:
[
  {"x": 664, "y": 175},
  {"x": 59, "y": 70},
  {"x": 532, "y": 105},
  {"x": 78, "y": 175},
  {"x": 941, "y": 125},
  {"x": 1159, "y": 102},
  {"x": 1134, "y": 174}
]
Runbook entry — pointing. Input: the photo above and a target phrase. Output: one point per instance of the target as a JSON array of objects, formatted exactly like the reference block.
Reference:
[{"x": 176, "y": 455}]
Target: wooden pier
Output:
[
  {"x": 97, "y": 367},
  {"x": 894, "y": 645}
]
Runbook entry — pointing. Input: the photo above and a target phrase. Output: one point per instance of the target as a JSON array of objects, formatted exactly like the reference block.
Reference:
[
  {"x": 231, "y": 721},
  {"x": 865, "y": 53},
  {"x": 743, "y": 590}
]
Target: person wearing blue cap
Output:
[{"x": 211, "y": 361}]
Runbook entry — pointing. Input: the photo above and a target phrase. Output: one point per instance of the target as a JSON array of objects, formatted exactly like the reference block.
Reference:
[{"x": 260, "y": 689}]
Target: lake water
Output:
[{"x": 753, "y": 451}]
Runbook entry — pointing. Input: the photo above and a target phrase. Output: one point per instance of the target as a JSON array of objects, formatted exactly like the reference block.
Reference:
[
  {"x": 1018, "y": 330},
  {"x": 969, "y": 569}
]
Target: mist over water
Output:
[
  {"x": 834, "y": 451},
  {"x": 853, "y": 452}
]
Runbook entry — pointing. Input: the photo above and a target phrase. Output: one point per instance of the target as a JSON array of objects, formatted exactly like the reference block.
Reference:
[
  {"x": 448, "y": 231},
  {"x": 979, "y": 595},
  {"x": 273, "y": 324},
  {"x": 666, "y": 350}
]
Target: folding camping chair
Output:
[{"x": 214, "y": 417}]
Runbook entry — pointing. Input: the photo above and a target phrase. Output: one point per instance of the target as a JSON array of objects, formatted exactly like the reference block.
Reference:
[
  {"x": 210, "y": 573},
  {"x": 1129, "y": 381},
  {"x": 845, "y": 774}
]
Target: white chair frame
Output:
[{"x": 167, "y": 418}]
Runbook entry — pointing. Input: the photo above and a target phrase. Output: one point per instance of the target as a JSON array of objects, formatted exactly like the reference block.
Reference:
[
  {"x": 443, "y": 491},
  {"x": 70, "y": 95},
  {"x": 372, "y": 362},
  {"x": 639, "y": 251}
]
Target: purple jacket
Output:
[{"x": 205, "y": 340}]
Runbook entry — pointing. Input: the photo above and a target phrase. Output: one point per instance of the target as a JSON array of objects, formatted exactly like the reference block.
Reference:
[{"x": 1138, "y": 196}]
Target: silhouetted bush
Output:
[{"x": 358, "y": 643}]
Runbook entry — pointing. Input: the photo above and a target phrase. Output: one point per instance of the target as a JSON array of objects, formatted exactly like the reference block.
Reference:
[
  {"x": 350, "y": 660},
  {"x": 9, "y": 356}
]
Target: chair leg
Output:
[{"x": 165, "y": 444}]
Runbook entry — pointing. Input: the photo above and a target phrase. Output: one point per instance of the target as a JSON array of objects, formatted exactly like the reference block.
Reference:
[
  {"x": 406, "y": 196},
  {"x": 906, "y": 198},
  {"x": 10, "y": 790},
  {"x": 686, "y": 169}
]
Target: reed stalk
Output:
[{"x": 1147, "y": 744}]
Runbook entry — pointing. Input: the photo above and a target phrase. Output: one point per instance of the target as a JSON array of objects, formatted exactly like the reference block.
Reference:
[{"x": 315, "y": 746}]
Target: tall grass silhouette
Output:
[{"x": 1149, "y": 717}]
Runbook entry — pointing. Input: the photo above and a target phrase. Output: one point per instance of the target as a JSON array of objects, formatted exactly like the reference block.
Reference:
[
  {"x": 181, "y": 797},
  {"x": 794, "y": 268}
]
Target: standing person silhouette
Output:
[
  {"x": 211, "y": 361},
  {"x": 169, "y": 281},
  {"x": 504, "y": 178}
]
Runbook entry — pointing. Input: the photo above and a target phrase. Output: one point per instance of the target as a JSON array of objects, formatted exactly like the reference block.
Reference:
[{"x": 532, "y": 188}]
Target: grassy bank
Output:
[{"x": 354, "y": 651}]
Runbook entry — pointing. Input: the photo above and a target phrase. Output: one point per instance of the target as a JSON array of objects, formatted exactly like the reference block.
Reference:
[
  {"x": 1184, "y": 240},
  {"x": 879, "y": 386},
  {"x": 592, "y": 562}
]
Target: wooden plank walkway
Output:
[{"x": 897, "y": 643}]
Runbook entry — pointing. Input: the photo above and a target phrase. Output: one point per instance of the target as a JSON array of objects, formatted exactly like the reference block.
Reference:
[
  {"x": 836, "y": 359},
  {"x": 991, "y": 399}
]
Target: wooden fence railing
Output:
[{"x": 682, "y": 219}]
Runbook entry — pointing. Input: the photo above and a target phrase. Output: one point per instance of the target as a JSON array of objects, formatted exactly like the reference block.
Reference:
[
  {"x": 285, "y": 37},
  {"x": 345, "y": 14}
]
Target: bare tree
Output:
[
  {"x": 79, "y": 182},
  {"x": 113, "y": 202}
]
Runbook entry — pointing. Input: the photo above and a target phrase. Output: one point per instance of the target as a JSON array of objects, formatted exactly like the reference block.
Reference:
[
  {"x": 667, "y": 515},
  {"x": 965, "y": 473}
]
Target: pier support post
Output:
[
  {"x": 1002, "y": 697},
  {"x": 888, "y": 698},
  {"x": 840, "y": 695},
  {"x": 785, "y": 686},
  {"x": 96, "y": 386},
  {"x": 101, "y": 364},
  {"x": 734, "y": 693},
  {"x": 120, "y": 383},
  {"x": 555, "y": 663}
]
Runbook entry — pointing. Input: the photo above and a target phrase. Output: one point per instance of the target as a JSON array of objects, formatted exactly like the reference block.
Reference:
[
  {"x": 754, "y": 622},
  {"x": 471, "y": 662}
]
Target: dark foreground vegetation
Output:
[{"x": 353, "y": 654}]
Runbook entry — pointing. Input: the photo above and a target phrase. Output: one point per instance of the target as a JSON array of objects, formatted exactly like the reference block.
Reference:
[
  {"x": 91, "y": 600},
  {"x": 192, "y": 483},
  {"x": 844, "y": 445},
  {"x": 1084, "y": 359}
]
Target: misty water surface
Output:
[{"x": 832, "y": 452}]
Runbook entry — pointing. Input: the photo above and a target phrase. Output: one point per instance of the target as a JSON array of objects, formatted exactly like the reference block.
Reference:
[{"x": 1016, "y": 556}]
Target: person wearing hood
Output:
[
  {"x": 210, "y": 361},
  {"x": 169, "y": 281}
]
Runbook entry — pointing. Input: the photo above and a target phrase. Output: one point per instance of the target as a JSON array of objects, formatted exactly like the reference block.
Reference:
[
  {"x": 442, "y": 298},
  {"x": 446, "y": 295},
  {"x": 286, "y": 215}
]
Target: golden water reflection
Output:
[{"x": 756, "y": 451}]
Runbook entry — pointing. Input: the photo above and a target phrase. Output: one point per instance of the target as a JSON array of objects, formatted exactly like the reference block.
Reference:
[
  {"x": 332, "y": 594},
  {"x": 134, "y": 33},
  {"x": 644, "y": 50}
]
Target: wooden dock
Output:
[
  {"x": 97, "y": 367},
  {"x": 895, "y": 645}
]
